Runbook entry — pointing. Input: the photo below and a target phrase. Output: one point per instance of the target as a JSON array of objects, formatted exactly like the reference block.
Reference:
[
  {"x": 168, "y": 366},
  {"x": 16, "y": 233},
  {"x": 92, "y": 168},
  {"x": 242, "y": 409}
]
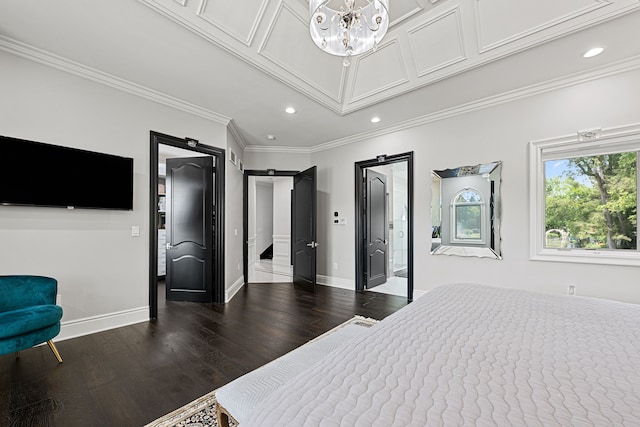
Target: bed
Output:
[{"x": 469, "y": 354}]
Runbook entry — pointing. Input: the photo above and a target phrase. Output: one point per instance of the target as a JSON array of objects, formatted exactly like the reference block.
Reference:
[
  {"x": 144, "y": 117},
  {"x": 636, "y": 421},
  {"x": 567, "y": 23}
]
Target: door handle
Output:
[
  {"x": 169, "y": 246},
  {"x": 313, "y": 244}
]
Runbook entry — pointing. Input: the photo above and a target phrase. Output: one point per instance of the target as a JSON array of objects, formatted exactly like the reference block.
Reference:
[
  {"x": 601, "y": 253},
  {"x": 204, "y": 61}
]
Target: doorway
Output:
[
  {"x": 269, "y": 229},
  {"x": 258, "y": 232},
  {"x": 384, "y": 224},
  {"x": 294, "y": 250},
  {"x": 191, "y": 162}
]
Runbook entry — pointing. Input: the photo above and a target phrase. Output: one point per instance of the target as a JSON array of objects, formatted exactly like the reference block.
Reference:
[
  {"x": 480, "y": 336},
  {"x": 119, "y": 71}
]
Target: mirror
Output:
[{"x": 465, "y": 211}]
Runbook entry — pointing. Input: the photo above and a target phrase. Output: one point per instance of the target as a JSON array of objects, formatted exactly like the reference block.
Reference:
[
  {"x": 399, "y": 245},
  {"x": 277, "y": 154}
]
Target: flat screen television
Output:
[{"x": 37, "y": 174}]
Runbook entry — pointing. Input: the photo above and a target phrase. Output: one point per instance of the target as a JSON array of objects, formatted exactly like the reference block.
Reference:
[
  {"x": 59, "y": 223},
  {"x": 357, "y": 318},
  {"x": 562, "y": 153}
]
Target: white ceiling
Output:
[{"x": 245, "y": 61}]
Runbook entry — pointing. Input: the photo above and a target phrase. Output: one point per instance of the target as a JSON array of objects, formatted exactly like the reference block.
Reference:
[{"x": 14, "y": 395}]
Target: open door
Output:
[
  {"x": 376, "y": 229},
  {"x": 190, "y": 238},
  {"x": 405, "y": 216},
  {"x": 304, "y": 228}
]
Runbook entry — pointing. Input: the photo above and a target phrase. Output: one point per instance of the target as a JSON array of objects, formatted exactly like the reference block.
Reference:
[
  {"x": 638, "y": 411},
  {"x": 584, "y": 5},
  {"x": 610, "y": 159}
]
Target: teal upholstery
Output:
[{"x": 28, "y": 312}]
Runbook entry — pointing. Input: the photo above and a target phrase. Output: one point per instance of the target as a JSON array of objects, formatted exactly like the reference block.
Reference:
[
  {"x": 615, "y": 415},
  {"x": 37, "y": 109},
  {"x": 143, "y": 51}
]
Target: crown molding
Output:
[
  {"x": 619, "y": 67},
  {"x": 40, "y": 56},
  {"x": 277, "y": 149},
  {"x": 235, "y": 132}
]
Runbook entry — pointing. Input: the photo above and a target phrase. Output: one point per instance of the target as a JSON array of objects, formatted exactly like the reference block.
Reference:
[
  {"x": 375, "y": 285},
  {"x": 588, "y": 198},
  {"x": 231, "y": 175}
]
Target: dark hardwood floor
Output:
[{"x": 132, "y": 375}]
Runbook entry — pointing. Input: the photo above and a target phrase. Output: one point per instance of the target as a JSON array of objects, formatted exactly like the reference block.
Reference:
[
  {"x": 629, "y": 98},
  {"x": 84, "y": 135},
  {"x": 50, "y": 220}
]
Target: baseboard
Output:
[
  {"x": 233, "y": 289},
  {"x": 91, "y": 325},
  {"x": 351, "y": 285},
  {"x": 336, "y": 282}
]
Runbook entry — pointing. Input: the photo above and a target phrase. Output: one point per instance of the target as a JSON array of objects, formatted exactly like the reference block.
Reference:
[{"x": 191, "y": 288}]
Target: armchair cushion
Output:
[
  {"x": 29, "y": 319},
  {"x": 23, "y": 342},
  {"x": 28, "y": 313}
]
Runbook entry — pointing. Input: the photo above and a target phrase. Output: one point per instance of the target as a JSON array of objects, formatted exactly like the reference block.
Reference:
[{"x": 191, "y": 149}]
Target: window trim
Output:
[{"x": 623, "y": 138}]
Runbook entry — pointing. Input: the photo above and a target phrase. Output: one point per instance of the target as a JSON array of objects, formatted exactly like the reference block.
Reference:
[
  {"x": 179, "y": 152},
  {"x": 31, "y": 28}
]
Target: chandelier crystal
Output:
[{"x": 348, "y": 27}]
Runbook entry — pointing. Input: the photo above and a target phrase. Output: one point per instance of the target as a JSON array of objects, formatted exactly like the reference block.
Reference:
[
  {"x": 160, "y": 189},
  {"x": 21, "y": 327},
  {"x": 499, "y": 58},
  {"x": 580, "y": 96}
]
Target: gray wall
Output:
[{"x": 102, "y": 271}]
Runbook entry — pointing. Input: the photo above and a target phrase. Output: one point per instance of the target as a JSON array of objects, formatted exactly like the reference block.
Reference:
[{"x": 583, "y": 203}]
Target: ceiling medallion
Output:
[{"x": 356, "y": 27}]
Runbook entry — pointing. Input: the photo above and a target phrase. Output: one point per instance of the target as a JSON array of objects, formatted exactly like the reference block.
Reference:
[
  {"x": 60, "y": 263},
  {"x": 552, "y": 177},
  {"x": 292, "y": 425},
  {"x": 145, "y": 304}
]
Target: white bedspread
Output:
[{"x": 475, "y": 355}]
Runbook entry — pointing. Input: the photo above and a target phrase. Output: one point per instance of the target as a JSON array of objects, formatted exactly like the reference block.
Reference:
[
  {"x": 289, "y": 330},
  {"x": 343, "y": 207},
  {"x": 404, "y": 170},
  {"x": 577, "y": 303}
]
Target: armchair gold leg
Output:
[{"x": 55, "y": 351}]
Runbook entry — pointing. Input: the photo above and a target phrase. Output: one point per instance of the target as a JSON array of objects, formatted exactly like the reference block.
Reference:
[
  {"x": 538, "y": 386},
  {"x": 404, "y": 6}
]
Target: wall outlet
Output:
[
  {"x": 59, "y": 300},
  {"x": 238, "y": 266},
  {"x": 335, "y": 265},
  {"x": 571, "y": 290}
]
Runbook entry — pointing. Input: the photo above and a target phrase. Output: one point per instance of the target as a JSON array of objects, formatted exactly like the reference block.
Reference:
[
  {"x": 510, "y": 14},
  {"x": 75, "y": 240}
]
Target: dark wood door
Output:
[
  {"x": 304, "y": 228},
  {"x": 189, "y": 226},
  {"x": 376, "y": 229}
]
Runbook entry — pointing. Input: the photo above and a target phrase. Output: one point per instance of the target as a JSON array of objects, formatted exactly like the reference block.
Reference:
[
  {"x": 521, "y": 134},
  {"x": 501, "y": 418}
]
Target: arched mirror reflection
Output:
[{"x": 465, "y": 211}]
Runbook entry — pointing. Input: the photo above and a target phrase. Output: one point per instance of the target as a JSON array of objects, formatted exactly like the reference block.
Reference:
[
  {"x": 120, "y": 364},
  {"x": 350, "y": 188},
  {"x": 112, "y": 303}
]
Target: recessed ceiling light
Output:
[
  {"x": 271, "y": 137},
  {"x": 375, "y": 119},
  {"x": 290, "y": 110},
  {"x": 593, "y": 52}
]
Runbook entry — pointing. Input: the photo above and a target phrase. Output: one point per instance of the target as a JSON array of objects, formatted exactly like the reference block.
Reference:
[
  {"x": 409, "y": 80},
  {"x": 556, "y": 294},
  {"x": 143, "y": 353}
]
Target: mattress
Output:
[
  {"x": 239, "y": 397},
  {"x": 469, "y": 354}
]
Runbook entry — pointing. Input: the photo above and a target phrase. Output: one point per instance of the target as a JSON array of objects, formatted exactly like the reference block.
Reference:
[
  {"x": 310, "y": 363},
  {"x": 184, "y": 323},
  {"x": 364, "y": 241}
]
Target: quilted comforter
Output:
[{"x": 469, "y": 354}]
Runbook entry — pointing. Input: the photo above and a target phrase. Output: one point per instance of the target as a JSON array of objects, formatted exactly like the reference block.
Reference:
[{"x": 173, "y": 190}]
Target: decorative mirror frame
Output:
[{"x": 484, "y": 239}]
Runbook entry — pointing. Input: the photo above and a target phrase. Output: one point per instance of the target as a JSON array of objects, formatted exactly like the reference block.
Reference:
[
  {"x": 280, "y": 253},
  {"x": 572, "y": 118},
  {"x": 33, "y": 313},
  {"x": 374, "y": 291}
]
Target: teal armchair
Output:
[{"x": 28, "y": 313}]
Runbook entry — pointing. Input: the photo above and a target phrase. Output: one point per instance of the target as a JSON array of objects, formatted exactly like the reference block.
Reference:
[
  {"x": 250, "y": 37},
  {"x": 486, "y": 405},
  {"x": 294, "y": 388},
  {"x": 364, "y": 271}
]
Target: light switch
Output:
[{"x": 135, "y": 231}]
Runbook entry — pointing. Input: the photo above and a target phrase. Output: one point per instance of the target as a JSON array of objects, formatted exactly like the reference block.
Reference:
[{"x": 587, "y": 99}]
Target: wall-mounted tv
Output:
[{"x": 37, "y": 174}]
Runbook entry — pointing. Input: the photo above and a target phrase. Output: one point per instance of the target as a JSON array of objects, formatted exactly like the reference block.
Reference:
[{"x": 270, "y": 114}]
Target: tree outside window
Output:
[{"x": 591, "y": 202}]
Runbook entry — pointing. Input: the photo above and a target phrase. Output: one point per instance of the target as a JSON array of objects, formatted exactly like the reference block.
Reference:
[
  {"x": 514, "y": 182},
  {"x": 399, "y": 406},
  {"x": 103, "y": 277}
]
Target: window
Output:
[
  {"x": 467, "y": 216},
  {"x": 584, "y": 197}
]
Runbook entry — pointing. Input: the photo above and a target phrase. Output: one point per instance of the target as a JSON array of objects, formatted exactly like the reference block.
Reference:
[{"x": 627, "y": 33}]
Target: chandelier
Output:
[{"x": 358, "y": 25}]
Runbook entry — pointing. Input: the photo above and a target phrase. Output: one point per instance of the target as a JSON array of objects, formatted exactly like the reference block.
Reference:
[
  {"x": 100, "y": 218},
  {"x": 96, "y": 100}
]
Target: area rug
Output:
[{"x": 202, "y": 411}]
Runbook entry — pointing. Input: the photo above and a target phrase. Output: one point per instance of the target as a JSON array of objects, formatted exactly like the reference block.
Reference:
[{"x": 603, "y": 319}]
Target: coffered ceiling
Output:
[{"x": 247, "y": 60}]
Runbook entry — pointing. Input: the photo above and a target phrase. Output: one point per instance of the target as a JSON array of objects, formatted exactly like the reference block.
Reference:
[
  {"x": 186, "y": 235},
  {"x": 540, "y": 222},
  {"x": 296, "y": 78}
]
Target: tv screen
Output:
[{"x": 37, "y": 174}]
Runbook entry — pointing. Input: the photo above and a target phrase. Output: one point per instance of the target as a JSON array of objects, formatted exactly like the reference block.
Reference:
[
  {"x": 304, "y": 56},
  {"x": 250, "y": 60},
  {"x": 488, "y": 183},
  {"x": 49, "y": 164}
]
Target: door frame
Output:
[
  {"x": 360, "y": 219},
  {"x": 245, "y": 212},
  {"x": 218, "y": 155}
]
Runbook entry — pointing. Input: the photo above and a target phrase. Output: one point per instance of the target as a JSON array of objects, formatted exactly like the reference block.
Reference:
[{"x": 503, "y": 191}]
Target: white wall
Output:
[
  {"x": 234, "y": 181},
  {"x": 500, "y": 132},
  {"x": 251, "y": 219},
  {"x": 264, "y": 215},
  {"x": 102, "y": 271},
  {"x": 398, "y": 237},
  {"x": 279, "y": 160},
  {"x": 282, "y": 187}
]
